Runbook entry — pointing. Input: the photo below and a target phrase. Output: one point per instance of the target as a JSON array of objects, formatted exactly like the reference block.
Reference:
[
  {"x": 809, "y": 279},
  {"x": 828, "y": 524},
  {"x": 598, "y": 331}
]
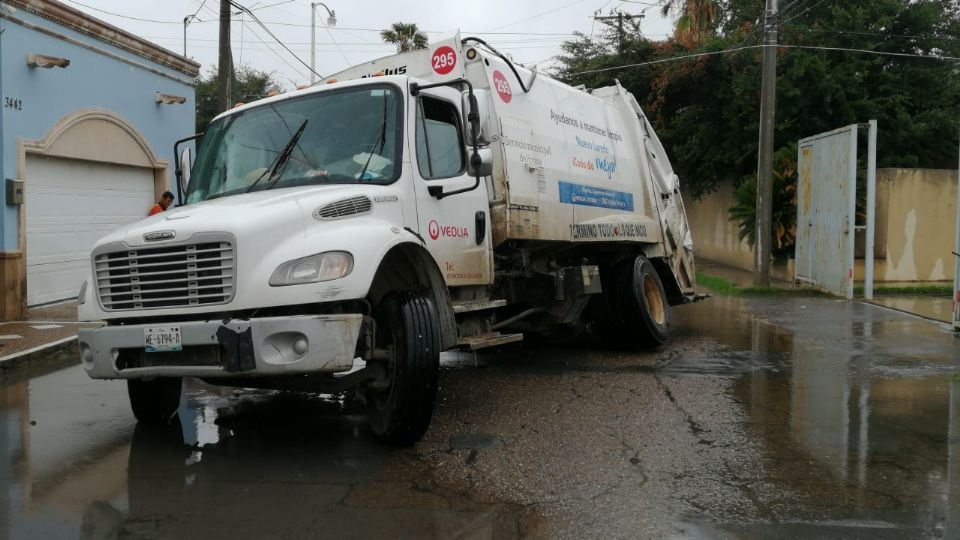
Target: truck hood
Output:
[{"x": 281, "y": 211}]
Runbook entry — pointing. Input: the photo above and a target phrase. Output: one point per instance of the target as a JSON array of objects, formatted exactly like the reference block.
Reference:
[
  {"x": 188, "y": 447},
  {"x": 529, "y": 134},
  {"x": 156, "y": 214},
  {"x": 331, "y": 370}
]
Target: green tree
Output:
[
  {"x": 697, "y": 21},
  {"x": 706, "y": 109},
  {"x": 783, "y": 222},
  {"x": 248, "y": 85},
  {"x": 406, "y": 36}
]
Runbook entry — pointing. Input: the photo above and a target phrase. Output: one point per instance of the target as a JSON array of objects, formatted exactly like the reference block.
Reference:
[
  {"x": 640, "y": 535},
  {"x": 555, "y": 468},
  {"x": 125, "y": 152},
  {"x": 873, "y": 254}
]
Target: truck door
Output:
[{"x": 456, "y": 228}]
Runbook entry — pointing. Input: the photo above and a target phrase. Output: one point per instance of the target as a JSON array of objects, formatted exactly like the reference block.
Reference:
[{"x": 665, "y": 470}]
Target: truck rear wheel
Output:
[
  {"x": 638, "y": 310},
  {"x": 407, "y": 325},
  {"x": 154, "y": 401}
]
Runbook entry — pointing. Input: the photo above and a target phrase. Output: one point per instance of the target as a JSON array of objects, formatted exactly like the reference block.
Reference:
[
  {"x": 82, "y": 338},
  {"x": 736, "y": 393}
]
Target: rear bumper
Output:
[{"x": 267, "y": 346}]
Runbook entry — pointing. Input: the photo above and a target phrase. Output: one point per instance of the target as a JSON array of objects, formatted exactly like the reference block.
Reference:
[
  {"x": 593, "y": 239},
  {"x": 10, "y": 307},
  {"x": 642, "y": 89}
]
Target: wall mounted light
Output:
[
  {"x": 168, "y": 99},
  {"x": 44, "y": 61}
]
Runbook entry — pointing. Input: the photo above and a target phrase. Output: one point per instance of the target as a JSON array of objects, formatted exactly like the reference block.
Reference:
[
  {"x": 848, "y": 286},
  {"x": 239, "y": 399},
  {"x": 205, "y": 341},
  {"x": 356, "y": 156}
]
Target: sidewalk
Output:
[
  {"x": 47, "y": 329},
  {"x": 737, "y": 276},
  {"x": 934, "y": 308}
]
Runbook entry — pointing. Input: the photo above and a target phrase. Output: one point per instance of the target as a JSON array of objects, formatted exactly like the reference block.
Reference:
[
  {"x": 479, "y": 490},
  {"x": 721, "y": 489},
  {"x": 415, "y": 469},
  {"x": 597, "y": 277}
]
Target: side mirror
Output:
[
  {"x": 186, "y": 163},
  {"x": 482, "y": 110},
  {"x": 182, "y": 165},
  {"x": 481, "y": 164}
]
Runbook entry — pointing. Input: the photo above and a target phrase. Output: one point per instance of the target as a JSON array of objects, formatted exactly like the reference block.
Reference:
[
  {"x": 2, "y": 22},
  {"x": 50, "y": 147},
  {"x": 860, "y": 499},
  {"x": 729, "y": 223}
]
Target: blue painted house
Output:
[{"x": 89, "y": 117}]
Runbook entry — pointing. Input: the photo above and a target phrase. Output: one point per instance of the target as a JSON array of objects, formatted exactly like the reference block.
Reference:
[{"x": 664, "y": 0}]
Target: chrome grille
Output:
[
  {"x": 198, "y": 274},
  {"x": 344, "y": 208}
]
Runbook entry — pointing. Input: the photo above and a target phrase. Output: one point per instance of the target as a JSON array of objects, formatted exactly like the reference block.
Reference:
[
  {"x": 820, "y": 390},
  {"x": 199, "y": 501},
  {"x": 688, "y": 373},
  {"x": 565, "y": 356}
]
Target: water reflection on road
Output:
[
  {"x": 853, "y": 409},
  {"x": 857, "y": 410},
  {"x": 239, "y": 464}
]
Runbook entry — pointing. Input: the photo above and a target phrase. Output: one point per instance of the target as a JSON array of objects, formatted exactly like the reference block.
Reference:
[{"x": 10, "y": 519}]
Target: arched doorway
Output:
[{"x": 92, "y": 173}]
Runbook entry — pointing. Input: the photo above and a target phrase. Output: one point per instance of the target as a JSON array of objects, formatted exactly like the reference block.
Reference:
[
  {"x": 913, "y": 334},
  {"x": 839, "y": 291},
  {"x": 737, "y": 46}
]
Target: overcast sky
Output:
[{"x": 529, "y": 30}]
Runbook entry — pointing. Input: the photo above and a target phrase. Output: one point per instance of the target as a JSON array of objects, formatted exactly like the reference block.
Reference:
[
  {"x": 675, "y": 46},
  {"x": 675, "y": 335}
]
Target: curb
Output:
[
  {"x": 13, "y": 361},
  {"x": 905, "y": 312}
]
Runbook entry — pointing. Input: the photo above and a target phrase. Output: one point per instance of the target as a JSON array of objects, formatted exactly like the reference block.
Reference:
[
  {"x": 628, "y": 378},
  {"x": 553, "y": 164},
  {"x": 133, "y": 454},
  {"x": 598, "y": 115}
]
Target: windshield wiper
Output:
[
  {"x": 276, "y": 170},
  {"x": 380, "y": 142}
]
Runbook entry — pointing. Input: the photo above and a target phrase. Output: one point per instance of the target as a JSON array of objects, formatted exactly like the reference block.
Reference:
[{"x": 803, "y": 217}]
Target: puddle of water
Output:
[
  {"x": 249, "y": 464},
  {"x": 851, "y": 406},
  {"x": 856, "y": 412}
]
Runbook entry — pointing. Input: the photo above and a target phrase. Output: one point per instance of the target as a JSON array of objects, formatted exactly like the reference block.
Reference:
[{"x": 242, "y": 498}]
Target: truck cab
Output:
[{"x": 338, "y": 238}]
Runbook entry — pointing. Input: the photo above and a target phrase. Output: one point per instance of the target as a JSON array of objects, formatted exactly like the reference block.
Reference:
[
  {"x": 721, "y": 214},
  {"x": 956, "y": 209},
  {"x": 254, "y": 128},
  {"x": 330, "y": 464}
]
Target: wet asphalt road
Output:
[{"x": 765, "y": 418}]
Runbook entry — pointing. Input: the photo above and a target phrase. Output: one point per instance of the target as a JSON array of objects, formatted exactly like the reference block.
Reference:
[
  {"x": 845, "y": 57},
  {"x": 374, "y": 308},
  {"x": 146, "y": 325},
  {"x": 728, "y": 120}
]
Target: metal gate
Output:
[{"x": 826, "y": 210}]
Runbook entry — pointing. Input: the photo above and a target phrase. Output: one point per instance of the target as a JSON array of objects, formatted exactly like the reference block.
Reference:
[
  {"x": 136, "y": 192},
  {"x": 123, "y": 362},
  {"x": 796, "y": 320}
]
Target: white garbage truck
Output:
[{"x": 339, "y": 237}]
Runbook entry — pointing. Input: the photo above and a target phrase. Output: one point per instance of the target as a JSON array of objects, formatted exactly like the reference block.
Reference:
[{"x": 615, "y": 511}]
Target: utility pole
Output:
[
  {"x": 619, "y": 17},
  {"x": 768, "y": 98},
  {"x": 225, "y": 69}
]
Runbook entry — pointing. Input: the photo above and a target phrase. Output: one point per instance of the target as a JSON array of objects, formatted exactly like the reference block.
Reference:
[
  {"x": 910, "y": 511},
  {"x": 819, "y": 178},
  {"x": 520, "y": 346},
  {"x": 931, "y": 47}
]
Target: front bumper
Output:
[{"x": 266, "y": 346}]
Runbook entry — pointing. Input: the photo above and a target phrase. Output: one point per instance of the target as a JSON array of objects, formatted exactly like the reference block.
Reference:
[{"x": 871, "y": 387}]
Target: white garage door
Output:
[{"x": 70, "y": 204}]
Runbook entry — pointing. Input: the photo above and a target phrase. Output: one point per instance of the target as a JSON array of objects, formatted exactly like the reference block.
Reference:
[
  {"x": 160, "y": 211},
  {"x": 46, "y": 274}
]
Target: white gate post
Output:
[
  {"x": 871, "y": 210},
  {"x": 851, "y": 209},
  {"x": 956, "y": 262}
]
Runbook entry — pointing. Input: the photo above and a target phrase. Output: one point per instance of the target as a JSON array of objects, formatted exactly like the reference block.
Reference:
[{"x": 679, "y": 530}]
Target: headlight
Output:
[
  {"x": 82, "y": 295},
  {"x": 319, "y": 267}
]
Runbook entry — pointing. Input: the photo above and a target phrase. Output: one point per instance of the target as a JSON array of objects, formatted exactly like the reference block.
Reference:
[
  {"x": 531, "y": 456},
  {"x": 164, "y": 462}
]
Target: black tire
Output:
[
  {"x": 155, "y": 401},
  {"x": 401, "y": 413},
  {"x": 637, "y": 310}
]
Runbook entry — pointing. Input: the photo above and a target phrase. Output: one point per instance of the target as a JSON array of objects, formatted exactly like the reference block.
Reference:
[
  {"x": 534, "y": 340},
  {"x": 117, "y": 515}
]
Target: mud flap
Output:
[{"x": 238, "y": 349}]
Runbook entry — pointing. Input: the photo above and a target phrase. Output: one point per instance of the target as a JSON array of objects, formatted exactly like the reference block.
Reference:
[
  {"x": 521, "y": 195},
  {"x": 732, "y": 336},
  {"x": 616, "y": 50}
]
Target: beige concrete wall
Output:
[
  {"x": 916, "y": 225},
  {"x": 714, "y": 235}
]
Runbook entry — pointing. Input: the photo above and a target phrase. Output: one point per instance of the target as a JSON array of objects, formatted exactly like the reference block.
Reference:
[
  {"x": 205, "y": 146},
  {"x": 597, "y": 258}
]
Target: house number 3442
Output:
[{"x": 15, "y": 104}]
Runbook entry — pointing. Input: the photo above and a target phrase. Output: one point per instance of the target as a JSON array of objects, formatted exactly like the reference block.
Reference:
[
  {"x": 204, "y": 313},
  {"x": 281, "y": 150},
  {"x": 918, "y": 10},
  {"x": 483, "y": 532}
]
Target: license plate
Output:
[{"x": 162, "y": 339}]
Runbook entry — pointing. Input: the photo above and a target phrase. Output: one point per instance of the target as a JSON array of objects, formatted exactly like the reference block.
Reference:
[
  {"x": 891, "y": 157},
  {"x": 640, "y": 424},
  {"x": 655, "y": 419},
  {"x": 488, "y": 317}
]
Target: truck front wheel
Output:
[
  {"x": 408, "y": 328},
  {"x": 154, "y": 401},
  {"x": 638, "y": 311}
]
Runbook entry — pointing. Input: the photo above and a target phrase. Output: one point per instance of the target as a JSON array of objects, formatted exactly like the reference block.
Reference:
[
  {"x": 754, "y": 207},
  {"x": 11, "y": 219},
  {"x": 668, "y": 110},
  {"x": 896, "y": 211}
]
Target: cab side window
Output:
[{"x": 440, "y": 151}]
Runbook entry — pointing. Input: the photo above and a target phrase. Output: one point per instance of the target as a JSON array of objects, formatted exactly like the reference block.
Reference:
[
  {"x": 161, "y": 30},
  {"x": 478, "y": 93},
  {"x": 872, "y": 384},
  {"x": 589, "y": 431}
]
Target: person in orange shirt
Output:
[{"x": 165, "y": 201}]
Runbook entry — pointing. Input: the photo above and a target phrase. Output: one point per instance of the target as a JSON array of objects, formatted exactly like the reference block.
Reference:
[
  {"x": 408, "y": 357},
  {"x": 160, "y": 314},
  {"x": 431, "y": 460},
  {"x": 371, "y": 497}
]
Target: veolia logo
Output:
[
  {"x": 159, "y": 235},
  {"x": 435, "y": 230}
]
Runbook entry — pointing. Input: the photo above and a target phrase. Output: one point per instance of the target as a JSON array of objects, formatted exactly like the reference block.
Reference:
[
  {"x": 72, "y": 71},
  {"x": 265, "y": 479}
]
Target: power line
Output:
[
  {"x": 197, "y": 12},
  {"x": 268, "y": 31},
  {"x": 671, "y": 59},
  {"x": 124, "y": 16},
  {"x": 861, "y": 33},
  {"x": 877, "y": 53},
  {"x": 791, "y": 6},
  {"x": 258, "y": 8},
  {"x": 360, "y": 48},
  {"x": 792, "y": 17},
  {"x": 303, "y": 25},
  {"x": 275, "y": 53},
  {"x": 366, "y": 43},
  {"x": 541, "y": 14},
  {"x": 337, "y": 45},
  {"x": 780, "y": 46}
]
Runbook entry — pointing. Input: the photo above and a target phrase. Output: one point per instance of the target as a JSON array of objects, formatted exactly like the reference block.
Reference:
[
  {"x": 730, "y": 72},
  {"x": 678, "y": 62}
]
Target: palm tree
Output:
[
  {"x": 406, "y": 36},
  {"x": 697, "y": 20}
]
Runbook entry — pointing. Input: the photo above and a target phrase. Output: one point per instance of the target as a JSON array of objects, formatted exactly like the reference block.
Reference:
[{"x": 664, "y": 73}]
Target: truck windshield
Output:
[{"x": 350, "y": 137}]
